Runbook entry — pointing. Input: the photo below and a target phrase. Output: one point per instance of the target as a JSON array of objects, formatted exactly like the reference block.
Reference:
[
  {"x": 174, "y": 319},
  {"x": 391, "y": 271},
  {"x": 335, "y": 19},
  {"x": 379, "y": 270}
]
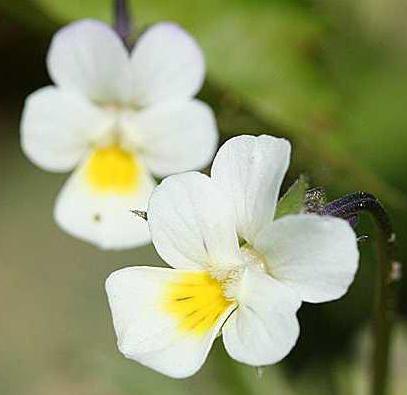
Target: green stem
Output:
[
  {"x": 389, "y": 272},
  {"x": 385, "y": 305}
]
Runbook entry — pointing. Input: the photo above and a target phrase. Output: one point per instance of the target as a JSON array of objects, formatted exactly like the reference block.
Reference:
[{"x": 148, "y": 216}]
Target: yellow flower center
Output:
[
  {"x": 113, "y": 170},
  {"x": 197, "y": 301}
]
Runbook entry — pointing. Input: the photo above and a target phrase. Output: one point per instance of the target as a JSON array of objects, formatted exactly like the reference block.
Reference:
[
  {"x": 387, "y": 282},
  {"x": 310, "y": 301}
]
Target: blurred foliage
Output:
[{"x": 328, "y": 75}]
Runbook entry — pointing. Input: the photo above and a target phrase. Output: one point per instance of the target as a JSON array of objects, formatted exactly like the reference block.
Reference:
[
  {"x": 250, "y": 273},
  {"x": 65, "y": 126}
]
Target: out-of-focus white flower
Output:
[
  {"x": 117, "y": 118},
  {"x": 235, "y": 269}
]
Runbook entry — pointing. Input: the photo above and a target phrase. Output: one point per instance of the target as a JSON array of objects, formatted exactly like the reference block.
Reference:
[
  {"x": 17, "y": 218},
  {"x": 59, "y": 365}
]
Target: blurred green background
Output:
[{"x": 329, "y": 75}]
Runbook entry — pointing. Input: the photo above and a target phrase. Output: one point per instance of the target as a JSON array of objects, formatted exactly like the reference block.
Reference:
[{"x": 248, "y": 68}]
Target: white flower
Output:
[
  {"x": 235, "y": 269},
  {"x": 117, "y": 118}
]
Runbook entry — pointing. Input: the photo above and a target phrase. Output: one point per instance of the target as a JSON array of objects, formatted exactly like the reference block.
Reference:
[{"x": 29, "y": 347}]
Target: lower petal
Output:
[
  {"x": 94, "y": 205},
  {"x": 166, "y": 319},
  {"x": 264, "y": 328}
]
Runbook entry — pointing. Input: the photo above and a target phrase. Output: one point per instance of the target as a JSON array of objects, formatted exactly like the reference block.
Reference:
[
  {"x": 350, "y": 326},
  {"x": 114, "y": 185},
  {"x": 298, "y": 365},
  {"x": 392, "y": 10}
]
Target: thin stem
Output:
[
  {"x": 383, "y": 323},
  {"x": 349, "y": 207},
  {"x": 122, "y": 21}
]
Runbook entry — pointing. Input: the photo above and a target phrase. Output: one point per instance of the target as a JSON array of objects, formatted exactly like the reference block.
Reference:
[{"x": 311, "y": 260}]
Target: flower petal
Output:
[
  {"x": 251, "y": 170},
  {"x": 87, "y": 209},
  {"x": 167, "y": 64},
  {"x": 147, "y": 331},
  {"x": 57, "y": 127},
  {"x": 174, "y": 137},
  {"x": 316, "y": 256},
  {"x": 264, "y": 328},
  {"x": 192, "y": 223},
  {"x": 88, "y": 56}
]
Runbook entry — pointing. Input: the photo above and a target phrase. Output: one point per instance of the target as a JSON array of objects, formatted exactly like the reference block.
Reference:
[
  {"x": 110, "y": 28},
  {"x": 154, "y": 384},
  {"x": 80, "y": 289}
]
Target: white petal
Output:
[
  {"x": 58, "y": 126},
  {"x": 89, "y": 57},
  {"x": 316, "y": 256},
  {"x": 264, "y": 328},
  {"x": 146, "y": 332},
  {"x": 192, "y": 223},
  {"x": 103, "y": 219},
  {"x": 251, "y": 170},
  {"x": 167, "y": 64},
  {"x": 174, "y": 137}
]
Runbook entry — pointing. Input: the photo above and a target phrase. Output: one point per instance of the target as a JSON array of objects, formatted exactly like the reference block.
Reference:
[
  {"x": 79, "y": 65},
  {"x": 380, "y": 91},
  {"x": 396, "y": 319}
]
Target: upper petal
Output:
[
  {"x": 93, "y": 209},
  {"x": 192, "y": 223},
  {"x": 316, "y": 256},
  {"x": 88, "y": 56},
  {"x": 251, "y": 170},
  {"x": 57, "y": 127},
  {"x": 264, "y": 328},
  {"x": 167, "y": 64},
  {"x": 174, "y": 137},
  {"x": 152, "y": 330}
]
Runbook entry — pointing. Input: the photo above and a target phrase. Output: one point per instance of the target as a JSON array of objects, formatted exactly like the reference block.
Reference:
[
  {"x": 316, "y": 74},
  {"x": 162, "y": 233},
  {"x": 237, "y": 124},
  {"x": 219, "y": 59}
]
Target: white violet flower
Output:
[
  {"x": 116, "y": 118},
  {"x": 235, "y": 269}
]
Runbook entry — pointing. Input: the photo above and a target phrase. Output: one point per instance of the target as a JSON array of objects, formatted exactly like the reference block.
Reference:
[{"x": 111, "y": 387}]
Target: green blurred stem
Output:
[
  {"x": 388, "y": 274},
  {"x": 385, "y": 302}
]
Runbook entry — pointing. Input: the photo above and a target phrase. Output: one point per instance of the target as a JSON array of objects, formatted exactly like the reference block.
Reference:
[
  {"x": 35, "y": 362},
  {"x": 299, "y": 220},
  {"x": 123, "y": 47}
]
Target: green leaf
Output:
[{"x": 294, "y": 199}]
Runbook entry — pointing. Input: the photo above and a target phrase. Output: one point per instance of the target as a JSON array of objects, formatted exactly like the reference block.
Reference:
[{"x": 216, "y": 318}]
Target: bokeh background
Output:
[{"x": 329, "y": 75}]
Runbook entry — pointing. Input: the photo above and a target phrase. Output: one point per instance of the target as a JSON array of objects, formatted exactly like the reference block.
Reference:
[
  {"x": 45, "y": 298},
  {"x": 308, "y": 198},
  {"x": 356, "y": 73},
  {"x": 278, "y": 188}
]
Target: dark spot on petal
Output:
[
  {"x": 97, "y": 218},
  {"x": 191, "y": 313},
  {"x": 184, "y": 298}
]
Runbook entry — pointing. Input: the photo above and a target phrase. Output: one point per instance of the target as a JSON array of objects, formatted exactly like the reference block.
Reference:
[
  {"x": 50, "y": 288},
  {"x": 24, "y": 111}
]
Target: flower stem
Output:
[
  {"x": 122, "y": 21},
  {"x": 388, "y": 274}
]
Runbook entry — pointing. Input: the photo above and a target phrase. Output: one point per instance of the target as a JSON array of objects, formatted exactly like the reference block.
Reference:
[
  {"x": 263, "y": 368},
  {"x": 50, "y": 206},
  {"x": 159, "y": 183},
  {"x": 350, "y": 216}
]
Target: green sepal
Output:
[{"x": 293, "y": 201}]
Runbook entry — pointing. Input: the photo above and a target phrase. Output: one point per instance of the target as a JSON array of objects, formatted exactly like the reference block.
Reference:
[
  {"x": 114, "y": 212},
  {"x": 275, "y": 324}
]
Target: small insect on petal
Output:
[{"x": 140, "y": 213}]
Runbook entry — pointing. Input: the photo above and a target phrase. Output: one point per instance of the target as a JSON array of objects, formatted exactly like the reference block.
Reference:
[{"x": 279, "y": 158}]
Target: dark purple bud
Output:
[{"x": 350, "y": 206}]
